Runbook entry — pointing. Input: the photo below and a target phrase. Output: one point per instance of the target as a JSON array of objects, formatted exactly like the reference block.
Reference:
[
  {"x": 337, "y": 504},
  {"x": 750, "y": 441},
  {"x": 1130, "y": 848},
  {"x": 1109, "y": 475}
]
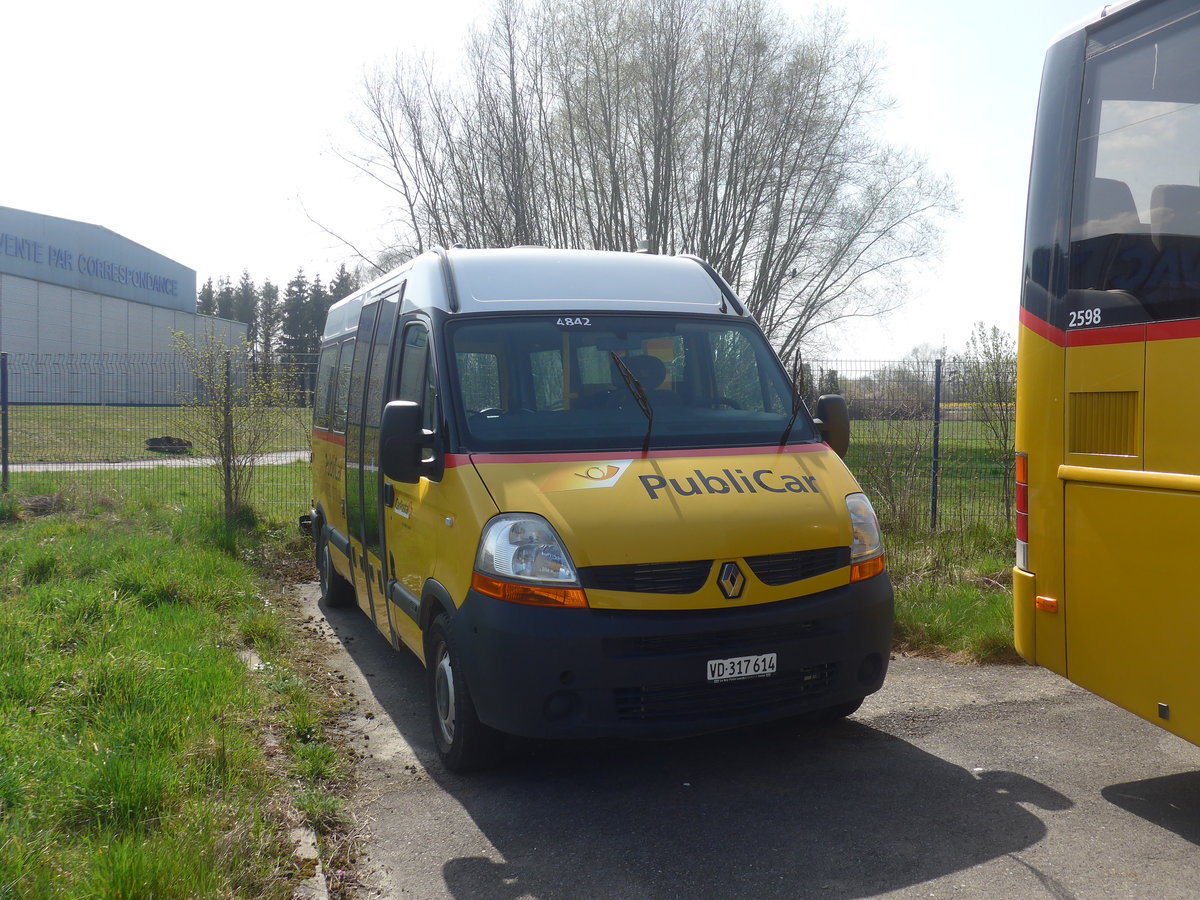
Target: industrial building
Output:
[{"x": 79, "y": 297}]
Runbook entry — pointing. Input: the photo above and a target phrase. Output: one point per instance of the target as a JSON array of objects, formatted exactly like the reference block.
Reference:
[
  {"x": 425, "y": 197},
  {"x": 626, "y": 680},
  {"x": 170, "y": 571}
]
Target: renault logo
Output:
[{"x": 731, "y": 581}]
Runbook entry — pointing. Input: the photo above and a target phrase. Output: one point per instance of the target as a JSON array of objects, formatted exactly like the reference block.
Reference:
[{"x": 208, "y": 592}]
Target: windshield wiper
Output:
[
  {"x": 639, "y": 395},
  {"x": 797, "y": 405}
]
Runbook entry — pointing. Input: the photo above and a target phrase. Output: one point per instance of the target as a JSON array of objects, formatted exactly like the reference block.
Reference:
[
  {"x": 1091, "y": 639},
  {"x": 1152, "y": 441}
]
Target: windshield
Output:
[{"x": 604, "y": 382}]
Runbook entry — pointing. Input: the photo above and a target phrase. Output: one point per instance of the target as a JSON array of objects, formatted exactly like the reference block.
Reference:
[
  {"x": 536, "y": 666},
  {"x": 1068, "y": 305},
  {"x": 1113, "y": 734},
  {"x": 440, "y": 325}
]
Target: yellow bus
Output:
[
  {"x": 1108, "y": 399},
  {"x": 579, "y": 487}
]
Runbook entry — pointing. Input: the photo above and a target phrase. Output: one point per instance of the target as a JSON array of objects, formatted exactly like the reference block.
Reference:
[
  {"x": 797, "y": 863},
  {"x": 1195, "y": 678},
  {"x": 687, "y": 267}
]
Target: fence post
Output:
[
  {"x": 937, "y": 424},
  {"x": 3, "y": 423}
]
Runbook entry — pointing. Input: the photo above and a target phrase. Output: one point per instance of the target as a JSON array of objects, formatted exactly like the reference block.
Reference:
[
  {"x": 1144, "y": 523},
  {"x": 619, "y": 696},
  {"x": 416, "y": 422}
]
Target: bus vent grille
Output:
[
  {"x": 1104, "y": 422},
  {"x": 784, "y": 568},
  {"x": 648, "y": 578},
  {"x": 731, "y": 699}
]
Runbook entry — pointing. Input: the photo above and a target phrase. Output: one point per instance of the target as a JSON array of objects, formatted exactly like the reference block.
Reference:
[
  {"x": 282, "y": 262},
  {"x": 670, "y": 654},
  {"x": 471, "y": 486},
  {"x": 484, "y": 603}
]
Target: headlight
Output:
[
  {"x": 866, "y": 547},
  {"x": 524, "y": 546}
]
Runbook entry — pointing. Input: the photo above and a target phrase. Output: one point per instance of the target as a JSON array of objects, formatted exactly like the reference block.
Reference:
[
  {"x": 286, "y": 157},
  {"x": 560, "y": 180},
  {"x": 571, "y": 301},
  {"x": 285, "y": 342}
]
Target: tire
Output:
[
  {"x": 335, "y": 590},
  {"x": 463, "y": 742}
]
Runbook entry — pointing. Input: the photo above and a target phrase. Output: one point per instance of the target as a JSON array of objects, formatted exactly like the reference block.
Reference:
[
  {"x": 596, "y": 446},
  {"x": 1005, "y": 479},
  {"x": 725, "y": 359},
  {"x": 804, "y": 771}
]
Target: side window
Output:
[
  {"x": 377, "y": 374},
  {"x": 326, "y": 374},
  {"x": 416, "y": 373},
  {"x": 341, "y": 386}
]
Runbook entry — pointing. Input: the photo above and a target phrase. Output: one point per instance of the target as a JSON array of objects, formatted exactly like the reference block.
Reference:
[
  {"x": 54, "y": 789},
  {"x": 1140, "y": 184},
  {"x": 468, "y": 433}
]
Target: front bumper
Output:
[{"x": 560, "y": 673}]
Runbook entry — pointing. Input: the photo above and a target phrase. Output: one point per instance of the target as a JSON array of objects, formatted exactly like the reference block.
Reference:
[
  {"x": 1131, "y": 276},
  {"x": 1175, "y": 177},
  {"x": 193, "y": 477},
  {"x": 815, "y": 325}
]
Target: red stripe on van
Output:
[
  {"x": 500, "y": 458},
  {"x": 329, "y": 437}
]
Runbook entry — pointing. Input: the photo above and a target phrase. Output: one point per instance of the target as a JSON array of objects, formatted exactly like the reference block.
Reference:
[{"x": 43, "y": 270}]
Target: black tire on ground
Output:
[
  {"x": 463, "y": 742},
  {"x": 335, "y": 590}
]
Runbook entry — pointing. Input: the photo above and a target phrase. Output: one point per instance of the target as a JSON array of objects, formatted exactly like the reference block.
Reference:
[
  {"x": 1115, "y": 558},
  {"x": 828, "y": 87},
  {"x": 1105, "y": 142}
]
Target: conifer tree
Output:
[
  {"x": 206, "y": 299},
  {"x": 343, "y": 285},
  {"x": 270, "y": 315},
  {"x": 318, "y": 305},
  {"x": 224, "y": 297},
  {"x": 295, "y": 319},
  {"x": 245, "y": 306}
]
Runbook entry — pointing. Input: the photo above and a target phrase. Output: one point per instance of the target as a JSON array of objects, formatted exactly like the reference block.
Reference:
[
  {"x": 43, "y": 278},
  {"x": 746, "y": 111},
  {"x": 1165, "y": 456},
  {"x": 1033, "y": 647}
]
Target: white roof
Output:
[{"x": 536, "y": 278}]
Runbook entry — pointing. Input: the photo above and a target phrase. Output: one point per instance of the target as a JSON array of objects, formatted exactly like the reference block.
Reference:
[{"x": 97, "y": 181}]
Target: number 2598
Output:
[{"x": 1081, "y": 317}]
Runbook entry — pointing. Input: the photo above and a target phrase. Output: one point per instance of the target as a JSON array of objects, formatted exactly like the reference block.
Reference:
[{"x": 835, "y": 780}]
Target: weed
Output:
[
  {"x": 321, "y": 809},
  {"x": 953, "y": 593},
  {"x": 314, "y": 763}
]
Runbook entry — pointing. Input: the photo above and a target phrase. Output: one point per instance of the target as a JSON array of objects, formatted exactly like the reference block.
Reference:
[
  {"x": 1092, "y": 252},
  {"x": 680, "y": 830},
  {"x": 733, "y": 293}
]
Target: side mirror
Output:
[
  {"x": 401, "y": 439},
  {"x": 833, "y": 422}
]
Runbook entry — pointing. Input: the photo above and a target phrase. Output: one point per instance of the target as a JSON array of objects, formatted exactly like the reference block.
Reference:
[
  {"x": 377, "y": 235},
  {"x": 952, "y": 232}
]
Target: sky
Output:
[{"x": 211, "y": 132}]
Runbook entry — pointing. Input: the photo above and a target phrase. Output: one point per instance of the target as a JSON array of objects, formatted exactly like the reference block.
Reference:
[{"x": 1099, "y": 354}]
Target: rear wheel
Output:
[
  {"x": 335, "y": 590},
  {"x": 463, "y": 742}
]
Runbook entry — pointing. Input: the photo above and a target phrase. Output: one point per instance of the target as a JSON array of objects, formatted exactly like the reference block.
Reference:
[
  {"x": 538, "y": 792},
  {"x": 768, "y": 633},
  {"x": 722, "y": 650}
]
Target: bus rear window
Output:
[{"x": 1135, "y": 237}]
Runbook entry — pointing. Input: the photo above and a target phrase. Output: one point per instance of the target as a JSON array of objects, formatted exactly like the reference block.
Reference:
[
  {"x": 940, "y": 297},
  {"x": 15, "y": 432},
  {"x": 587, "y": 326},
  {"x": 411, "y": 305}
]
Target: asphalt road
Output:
[{"x": 952, "y": 782}]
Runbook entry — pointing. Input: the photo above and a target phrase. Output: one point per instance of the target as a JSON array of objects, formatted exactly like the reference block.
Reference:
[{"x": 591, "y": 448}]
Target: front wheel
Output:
[{"x": 463, "y": 742}]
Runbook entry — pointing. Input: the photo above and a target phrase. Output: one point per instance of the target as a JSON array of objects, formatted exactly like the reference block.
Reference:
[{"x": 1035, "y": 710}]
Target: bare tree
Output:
[
  {"x": 986, "y": 376},
  {"x": 716, "y": 127},
  {"x": 239, "y": 412}
]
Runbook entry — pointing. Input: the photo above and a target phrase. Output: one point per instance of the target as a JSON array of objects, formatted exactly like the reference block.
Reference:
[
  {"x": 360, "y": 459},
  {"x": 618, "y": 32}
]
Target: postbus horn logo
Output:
[{"x": 731, "y": 581}]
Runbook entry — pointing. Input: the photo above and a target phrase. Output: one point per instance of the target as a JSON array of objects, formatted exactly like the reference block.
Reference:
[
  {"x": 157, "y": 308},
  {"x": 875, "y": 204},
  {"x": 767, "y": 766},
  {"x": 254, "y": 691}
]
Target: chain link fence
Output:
[
  {"x": 931, "y": 441},
  {"x": 931, "y": 449},
  {"x": 123, "y": 422}
]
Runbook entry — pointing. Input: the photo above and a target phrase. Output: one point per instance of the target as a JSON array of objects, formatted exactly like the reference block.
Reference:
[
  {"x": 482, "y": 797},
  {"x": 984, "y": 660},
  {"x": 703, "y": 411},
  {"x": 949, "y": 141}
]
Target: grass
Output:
[
  {"x": 84, "y": 433},
  {"x": 284, "y": 491},
  {"x": 954, "y": 593},
  {"x": 134, "y": 737}
]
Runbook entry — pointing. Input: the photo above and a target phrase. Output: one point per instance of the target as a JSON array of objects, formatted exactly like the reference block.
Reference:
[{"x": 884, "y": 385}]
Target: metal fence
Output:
[
  {"x": 929, "y": 452},
  {"x": 128, "y": 422},
  {"x": 931, "y": 442}
]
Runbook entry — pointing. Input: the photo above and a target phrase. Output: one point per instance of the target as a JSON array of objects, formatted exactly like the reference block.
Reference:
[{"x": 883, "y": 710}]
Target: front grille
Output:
[
  {"x": 648, "y": 578},
  {"x": 777, "y": 569},
  {"x": 726, "y": 700},
  {"x": 727, "y": 643}
]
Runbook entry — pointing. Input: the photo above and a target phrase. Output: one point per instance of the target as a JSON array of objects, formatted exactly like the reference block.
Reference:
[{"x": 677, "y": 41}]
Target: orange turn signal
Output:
[
  {"x": 867, "y": 569},
  {"x": 1046, "y": 604},
  {"x": 529, "y": 594}
]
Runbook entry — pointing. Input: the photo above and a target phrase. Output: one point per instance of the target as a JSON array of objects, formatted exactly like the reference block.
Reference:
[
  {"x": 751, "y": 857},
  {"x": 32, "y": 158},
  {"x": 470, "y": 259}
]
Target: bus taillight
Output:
[{"x": 1022, "y": 479}]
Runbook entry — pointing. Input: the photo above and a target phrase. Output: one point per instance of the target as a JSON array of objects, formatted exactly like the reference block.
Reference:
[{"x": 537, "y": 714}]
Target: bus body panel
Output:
[
  {"x": 1040, "y": 407},
  {"x": 1104, "y": 405},
  {"x": 432, "y": 531},
  {"x": 329, "y": 484},
  {"x": 1172, "y": 401},
  {"x": 1133, "y": 619}
]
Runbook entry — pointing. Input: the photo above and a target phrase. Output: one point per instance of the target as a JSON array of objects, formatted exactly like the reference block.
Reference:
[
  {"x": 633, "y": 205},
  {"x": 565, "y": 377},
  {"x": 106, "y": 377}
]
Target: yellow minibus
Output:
[{"x": 581, "y": 488}]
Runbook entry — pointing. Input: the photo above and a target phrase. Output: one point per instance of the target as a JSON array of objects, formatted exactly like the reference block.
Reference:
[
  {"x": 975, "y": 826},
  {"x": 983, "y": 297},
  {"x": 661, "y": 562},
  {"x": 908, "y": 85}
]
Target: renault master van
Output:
[{"x": 581, "y": 488}]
